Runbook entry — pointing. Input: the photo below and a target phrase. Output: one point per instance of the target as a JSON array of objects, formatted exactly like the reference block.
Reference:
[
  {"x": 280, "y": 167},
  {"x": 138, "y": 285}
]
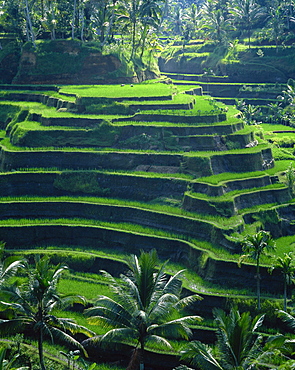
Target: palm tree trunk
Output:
[
  {"x": 258, "y": 284},
  {"x": 40, "y": 350},
  {"x": 285, "y": 294},
  {"x": 133, "y": 40},
  {"x": 73, "y": 19},
  {"x": 143, "y": 40},
  {"x": 29, "y": 24},
  {"x": 110, "y": 25},
  {"x": 141, "y": 357}
]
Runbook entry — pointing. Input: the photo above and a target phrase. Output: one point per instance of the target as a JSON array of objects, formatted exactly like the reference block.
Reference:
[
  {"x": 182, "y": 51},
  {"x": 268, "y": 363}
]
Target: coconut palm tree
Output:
[
  {"x": 31, "y": 306},
  {"x": 150, "y": 16},
  {"x": 246, "y": 13},
  {"x": 286, "y": 266},
  {"x": 276, "y": 23},
  {"x": 143, "y": 306},
  {"x": 238, "y": 344},
  {"x": 255, "y": 246},
  {"x": 215, "y": 23}
]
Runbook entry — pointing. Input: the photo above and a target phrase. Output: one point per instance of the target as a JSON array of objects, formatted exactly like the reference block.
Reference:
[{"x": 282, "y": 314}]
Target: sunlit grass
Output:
[
  {"x": 228, "y": 176},
  {"x": 232, "y": 194},
  {"x": 204, "y": 106},
  {"x": 52, "y": 112},
  {"x": 90, "y": 289},
  {"x": 6, "y": 145},
  {"x": 222, "y": 222},
  {"x": 285, "y": 244},
  {"x": 119, "y": 91},
  {"x": 276, "y": 127}
]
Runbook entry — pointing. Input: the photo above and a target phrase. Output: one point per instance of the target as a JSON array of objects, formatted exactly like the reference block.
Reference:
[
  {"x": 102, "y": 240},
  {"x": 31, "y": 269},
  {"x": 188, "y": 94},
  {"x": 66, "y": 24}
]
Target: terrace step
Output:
[
  {"x": 165, "y": 138},
  {"x": 223, "y": 273},
  {"x": 194, "y": 163},
  {"x": 174, "y": 118},
  {"x": 116, "y": 214},
  {"x": 91, "y": 183},
  {"x": 230, "y": 185},
  {"x": 45, "y": 99},
  {"x": 29, "y": 87},
  {"x": 277, "y": 218},
  {"x": 227, "y": 208},
  {"x": 222, "y": 90}
]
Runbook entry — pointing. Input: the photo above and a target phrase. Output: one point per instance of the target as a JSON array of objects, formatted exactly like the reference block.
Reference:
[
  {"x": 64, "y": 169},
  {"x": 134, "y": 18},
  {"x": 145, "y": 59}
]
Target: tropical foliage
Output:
[
  {"x": 255, "y": 246},
  {"x": 145, "y": 308},
  {"x": 31, "y": 307},
  {"x": 238, "y": 344},
  {"x": 139, "y": 25},
  {"x": 286, "y": 266}
]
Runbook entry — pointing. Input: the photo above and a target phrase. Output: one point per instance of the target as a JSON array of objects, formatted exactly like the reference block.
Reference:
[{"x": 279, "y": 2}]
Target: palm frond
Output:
[
  {"x": 14, "y": 307},
  {"x": 133, "y": 290},
  {"x": 66, "y": 338},
  {"x": 178, "y": 328},
  {"x": 288, "y": 318},
  {"x": 257, "y": 322},
  {"x": 200, "y": 354},
  {"x": 101, "y": 321},
  {"x": 174, "y": 284},
  {"x": 60, "y": 269},
  {"x": 119, "y": 334},
  {"x": 13, "y": 326},
  {"x": 110, "y": 309},
  {"x": 162, "y": 309},
  {"x": 253, "y": 352},
  {"x": 70, "y": 325},
  {"x": 109, "y": 318},
  {"x": 159, "y": 341},
  {"x": 9, "y": 268},
  {"x": 186, "y": 301},
  {"x": 121, "y": 290},
  {"x": 70, "y": 299}
]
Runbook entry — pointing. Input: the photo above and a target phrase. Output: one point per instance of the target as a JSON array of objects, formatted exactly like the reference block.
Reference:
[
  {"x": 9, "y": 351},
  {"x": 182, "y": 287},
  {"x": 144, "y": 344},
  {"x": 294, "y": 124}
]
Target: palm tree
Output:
[
  {"x": 31, "y": 307},
  {"x": 29, "y": 25},
  {"x": 255, "y": 246},
  {"x": 246, "y": 13},
  {"x": 276, "y": 23},
  {"x": 215, "y": 22},
  {"x": 192, "y": 19},
  {"x": 237, "y": 343},
  {"x": 290, "y": 178},
  {"x": 142, "y": 309},
  {"x": 150, "y": 15},
  {"x": 286, "y": 265}
]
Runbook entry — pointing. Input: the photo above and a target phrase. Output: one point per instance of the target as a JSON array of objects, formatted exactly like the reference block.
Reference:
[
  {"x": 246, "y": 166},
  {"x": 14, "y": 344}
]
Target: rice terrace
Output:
[{"x": 147, "y": 185}]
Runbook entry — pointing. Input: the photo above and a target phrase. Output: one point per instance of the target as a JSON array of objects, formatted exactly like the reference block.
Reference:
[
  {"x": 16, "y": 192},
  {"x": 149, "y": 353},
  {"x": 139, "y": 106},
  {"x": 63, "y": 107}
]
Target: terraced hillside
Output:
[{"x": 130, "y": 167}]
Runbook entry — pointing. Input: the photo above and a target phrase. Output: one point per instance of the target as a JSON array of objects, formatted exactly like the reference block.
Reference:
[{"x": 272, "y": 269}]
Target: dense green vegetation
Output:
[
  {"x": 151, "y": 203},
  {"x": 196, "y": 164}
]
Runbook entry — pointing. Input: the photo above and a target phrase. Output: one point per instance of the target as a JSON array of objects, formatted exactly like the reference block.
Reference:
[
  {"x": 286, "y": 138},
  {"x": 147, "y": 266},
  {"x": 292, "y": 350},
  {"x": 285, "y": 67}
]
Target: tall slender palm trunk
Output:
[
  {"x": 285, "y": 293},
  {"x": 40, "y": 351},
  {"x": 73, "y": 19},
  {"x": 29, "y": 24},
  {"x": 258, "y": 284},
  {"x": 141, "y": 356},
  {"x": 133, "y": 40}
]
